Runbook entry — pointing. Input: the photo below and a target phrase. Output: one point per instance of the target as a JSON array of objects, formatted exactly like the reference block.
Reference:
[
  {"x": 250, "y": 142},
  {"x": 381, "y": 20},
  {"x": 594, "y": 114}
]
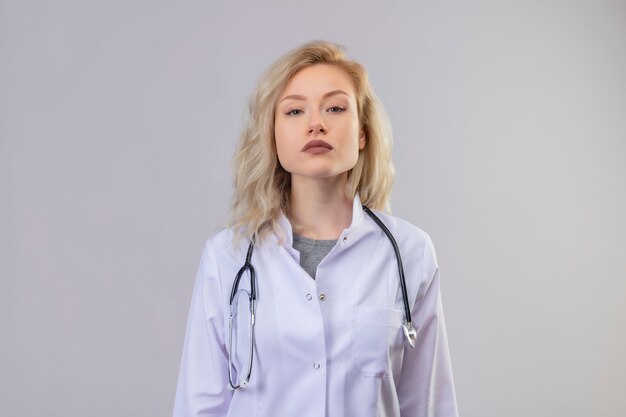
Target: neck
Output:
[{"x": 319, "y": 208}]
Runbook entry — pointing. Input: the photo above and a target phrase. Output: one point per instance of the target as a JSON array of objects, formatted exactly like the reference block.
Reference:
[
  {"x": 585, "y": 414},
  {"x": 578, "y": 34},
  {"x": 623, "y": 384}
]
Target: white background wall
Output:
[{"x": 118, "y": 120}]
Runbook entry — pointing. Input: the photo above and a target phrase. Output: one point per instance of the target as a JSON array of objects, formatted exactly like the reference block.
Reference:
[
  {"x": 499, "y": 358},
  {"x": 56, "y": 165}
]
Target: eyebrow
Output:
[{"x": 299, "y": 97}]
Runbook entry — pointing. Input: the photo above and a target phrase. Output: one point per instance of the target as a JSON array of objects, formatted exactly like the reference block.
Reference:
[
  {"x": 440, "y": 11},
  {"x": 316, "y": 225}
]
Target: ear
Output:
[{"x": 362, "y": 140}]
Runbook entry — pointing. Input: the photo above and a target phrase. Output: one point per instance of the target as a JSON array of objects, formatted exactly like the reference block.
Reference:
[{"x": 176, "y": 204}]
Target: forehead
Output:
[{"x": 318, "y": 79}]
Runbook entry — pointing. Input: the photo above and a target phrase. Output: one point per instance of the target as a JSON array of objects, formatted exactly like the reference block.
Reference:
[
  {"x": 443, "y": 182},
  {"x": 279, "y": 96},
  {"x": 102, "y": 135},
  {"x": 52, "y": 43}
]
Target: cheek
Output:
[
  {"x": 281, "y": 153},
  {"x": 355, "y": 157},
  {"x": 356, "y": 148},
  {"x": 281, "y": 131},
  {"x": 278, "y": 136},
  {"x": 281, "y": 143}
]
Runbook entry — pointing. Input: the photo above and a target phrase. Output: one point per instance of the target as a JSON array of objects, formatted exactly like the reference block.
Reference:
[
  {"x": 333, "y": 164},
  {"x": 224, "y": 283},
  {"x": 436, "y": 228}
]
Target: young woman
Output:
[{"x": 302, "y": 307}]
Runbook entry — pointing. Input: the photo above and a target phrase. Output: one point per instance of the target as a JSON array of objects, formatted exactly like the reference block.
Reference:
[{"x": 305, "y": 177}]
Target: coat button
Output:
[
  {"x": 322, "y": 296},
  {"x": 309, "y": 297},
  {"x": 316, "y": 366}
]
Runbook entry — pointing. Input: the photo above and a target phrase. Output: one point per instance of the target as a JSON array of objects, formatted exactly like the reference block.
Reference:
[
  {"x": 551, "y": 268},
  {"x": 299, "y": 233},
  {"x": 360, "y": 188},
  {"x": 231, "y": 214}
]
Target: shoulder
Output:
[
  {"x": 415, "y": 245},
  {"x": 406, "y": 233},
  {"x": 227, "y": 251},
  {"x": 221, "y": 238},
  {"x": 221, "y": 243}
]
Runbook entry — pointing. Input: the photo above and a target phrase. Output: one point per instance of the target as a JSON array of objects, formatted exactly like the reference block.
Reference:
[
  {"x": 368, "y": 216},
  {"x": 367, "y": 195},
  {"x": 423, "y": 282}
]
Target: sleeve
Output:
[
  {"x": 203, "y": 377},
  {"x": 426, "y": 386}
]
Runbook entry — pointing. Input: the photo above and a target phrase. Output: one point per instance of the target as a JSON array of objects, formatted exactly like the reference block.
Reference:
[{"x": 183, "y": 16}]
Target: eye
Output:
[
  {"x": 293, "y": 112},
  {"x": 336, "y": 109}
]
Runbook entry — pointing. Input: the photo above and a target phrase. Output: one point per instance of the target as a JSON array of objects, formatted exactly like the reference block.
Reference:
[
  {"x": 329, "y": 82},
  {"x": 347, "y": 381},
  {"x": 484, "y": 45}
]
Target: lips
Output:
[{"x": 316, "y": 144}]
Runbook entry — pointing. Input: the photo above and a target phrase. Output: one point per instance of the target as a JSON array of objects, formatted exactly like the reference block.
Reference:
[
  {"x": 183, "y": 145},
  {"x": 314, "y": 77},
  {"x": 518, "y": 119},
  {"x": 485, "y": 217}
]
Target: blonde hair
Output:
[{"x": 262, "y": 185}]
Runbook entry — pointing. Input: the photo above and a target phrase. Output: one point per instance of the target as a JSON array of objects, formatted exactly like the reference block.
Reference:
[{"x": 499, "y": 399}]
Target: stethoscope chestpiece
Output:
[{"x": 410, "y": 333}]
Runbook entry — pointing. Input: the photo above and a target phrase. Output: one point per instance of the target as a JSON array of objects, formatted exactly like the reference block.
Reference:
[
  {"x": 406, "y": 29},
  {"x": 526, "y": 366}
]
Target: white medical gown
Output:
[{"x": 329, "y": 347}]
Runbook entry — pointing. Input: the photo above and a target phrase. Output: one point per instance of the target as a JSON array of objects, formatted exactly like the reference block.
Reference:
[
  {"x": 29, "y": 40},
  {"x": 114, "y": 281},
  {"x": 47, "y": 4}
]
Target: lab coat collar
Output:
[{"x": 285, "y": 224}]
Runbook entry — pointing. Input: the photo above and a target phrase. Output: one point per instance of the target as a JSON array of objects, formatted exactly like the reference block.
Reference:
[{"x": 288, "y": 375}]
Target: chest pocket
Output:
[{"x": 378, "y": 339}]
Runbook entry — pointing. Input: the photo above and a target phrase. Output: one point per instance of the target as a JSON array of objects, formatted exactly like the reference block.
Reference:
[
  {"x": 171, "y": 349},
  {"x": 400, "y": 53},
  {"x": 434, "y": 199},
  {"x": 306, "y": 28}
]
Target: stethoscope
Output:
[{"x": 409, "y": 330}]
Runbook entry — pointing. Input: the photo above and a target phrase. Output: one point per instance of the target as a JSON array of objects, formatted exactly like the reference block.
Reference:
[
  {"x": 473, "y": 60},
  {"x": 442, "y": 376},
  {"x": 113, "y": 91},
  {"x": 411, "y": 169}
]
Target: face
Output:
[{"x": 317, "y": 125}]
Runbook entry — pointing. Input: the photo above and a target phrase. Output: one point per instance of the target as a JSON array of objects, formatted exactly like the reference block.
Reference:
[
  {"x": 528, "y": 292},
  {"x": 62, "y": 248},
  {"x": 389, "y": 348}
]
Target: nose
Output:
[
  {"x": 317, "y": 127},
  {"x": 317, "y": 124}
]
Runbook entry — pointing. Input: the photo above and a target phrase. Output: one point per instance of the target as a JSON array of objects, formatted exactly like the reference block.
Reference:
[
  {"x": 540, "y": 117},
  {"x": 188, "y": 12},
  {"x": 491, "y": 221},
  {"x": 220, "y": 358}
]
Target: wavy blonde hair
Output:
[{"x": 263, "y": 186}]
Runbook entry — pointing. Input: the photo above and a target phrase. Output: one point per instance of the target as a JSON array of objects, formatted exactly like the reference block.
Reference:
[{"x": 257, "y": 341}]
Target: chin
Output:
[
  {"x": 317, "y": 173},
  {"x": 319, "y": 170}
]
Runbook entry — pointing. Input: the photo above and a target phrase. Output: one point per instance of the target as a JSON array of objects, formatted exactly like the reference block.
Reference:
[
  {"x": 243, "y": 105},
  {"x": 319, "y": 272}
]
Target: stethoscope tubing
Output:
[
  {"x": 405, "y": 296},
  {"x": 252, "y": 299},
  {"x": 247, "y": 266},
  {"x": 409, "y": 331}
]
